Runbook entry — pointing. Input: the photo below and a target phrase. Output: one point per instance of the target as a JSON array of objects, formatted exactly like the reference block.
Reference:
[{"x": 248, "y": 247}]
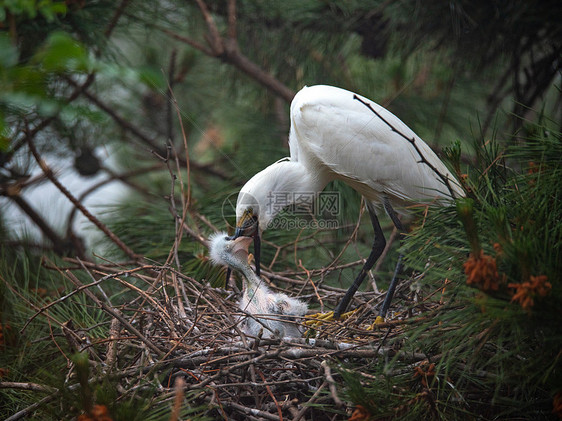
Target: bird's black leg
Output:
[
  {"x": 227, "y": 276},
  {"x": 394, "y": 282},
  {"x": 378, "y": 246},
  {"x": 257, "y": 251}
]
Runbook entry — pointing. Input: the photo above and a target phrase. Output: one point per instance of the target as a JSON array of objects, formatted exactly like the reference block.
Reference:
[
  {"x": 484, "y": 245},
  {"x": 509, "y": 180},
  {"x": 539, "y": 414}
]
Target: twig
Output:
[
  {"x": 179, "y": 228},
  {"x": 111, "y": 354},
  {"x": 112, "y": 177},
  {"x": 308, "y": 404},
  {"x": 92, "y": 277},
  {"x": 118, "y": 13},
  {"x": 214, "y": 39},
  {"x": 251, "y": 411},
  {"x": 126, "y": 125},
  {"x": 77, "y": 290},
  {"x": 31, "y": 408},
  {"x": 228, "y": 51},
  {"x": 116, "y": 314},
  {"x": 272, "y": 395},
  {"x": 27, "y": 386},
  {"x": 331, "y": 384},
  {"x": 309, "y": 279},
  {"x": 181, "y": 308},
  {"x": 171, "y": 79},
  {"x": 178, "y": 398},
  {"x": 186, "y": 197},
  {"x": 232, "y": 19},
  {"x": 78, "y": 89},
  {"x": 58, "y": 242},
  {"x": 412, "y": 141},
  {"x": 49, "y": 173}
]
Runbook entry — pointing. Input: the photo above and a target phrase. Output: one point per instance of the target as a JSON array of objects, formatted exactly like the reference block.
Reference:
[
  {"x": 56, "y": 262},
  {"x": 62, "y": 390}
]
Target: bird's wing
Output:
[{"x": 332, "y": 130}]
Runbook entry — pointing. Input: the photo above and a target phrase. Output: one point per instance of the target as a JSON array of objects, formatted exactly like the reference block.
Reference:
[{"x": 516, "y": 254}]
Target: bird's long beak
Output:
[
  {"x": 239, "y": 232},
  {"x": 248, "y": 226}
]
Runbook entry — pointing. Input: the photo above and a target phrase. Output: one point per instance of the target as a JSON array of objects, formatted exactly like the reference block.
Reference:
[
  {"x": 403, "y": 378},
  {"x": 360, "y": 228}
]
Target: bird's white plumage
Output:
[
  {"x": 330, "y": 128},
  {"x": 334, "y": 136},
  {"x": 273, "y": 313}
]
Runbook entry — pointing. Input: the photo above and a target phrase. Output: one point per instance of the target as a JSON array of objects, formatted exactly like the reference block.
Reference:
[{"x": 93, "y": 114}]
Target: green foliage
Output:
[
  {"x": 36, "y": 350},
  {"x": 30, "y": 9},
  {"x": 61, "y": 53},
  {"x": 158, "y": 236},
  {"x": 492, "y": 357},
  {"x": 472, "y": 28}
]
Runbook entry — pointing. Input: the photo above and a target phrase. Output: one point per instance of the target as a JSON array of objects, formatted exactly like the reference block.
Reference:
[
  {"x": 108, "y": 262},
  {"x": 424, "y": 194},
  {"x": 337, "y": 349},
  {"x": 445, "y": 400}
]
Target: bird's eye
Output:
[
  {"x": 248, "y": 218},
  {"x": 247, "y": 224}
]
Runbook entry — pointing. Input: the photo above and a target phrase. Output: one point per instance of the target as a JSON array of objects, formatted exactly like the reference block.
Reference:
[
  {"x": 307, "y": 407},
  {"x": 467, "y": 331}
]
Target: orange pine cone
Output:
[
  {"x": 482, "y": 272},
  {"x": 557, "y": 405},
  {"x": 527, "y": 291},
  {"x": 98, "y": 413},
  {"x": 360, "y": 414}
]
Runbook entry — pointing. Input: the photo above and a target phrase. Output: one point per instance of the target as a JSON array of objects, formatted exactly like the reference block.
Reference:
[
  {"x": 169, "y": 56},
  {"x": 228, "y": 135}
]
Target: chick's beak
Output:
[
  {"x": 248, "y": 228},
  {"x": 241, "y": 246}
]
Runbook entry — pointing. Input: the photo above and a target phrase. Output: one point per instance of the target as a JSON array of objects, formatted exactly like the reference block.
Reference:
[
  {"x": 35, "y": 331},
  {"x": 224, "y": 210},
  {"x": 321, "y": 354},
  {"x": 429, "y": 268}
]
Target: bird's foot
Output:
[
  {"x": 378, "y": 321},
  {"x": 347, "y": 315},
  {"x": 314, "y": 321},
  {"x": 318, "y": 319}
]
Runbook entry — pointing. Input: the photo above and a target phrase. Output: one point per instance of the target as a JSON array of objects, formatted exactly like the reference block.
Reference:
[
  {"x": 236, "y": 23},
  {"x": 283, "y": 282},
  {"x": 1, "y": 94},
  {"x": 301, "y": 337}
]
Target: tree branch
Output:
[
  {"x": 214, "y": 39},
  {"x": 118, "y": 13},
  {"x": 244, "y": 64},
  {"x": 115, "y": 314},
  {"x": 59, "y": 244},
  {"x": 228, "y": 50},
  {"x": 423, "y": 160},
  {"x": 141, "y": 136},
  {"x": 44, "y": 123},
  {"x": 49, "y": 173},
  {"x": 232, "y": 19},
  {"x": 113, "y": 177}
]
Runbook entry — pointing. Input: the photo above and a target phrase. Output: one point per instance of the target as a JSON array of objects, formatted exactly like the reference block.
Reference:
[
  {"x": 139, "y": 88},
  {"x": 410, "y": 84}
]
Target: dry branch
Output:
[
  {"x": 240, "y": 377},
  {"x": 228, "y": 50},
  {"x": 49, "y": 173}
]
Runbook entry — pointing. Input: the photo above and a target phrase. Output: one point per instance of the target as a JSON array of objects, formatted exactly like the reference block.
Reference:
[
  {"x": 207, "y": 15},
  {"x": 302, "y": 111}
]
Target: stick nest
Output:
[{"x": 185, "y": 337}]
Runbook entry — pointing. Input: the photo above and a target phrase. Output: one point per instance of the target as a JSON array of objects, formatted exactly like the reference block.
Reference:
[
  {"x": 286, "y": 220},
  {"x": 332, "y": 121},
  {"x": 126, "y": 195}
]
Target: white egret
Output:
[
  {"x": 276, "y": 314},
  {"x": 336, "y": 134}
]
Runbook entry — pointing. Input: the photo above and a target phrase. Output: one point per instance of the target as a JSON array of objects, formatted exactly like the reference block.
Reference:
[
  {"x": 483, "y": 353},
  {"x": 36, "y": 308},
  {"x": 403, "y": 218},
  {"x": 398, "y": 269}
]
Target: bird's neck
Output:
[
  {"x": 283, "y": 184},
  {"x": 252, "y": 282},
  {"x": 249, "y": 274}
]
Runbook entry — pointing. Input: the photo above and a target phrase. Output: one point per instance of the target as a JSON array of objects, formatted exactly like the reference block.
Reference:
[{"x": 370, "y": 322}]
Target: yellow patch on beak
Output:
[
  {"x": 247, "y": 219},
  {"x": 247, "y": 224}
]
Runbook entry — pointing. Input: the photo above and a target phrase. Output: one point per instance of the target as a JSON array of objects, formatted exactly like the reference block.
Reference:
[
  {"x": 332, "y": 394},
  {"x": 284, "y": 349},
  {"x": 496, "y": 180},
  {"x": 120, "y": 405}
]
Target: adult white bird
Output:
[
  {"x": 337, "y": 134},
  {"x": 276, "y": 314}
]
